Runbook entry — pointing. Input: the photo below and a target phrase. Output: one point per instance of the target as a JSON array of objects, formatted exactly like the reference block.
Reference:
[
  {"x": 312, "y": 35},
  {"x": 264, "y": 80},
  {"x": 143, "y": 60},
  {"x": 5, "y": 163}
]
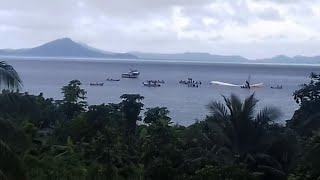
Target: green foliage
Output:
[
  {"x": 236, "y": 124},
  {"x": 131, "y": 107},
  {"x": 307, "y": 118},
  {"x": 20, "y": 107},
  {"x": 309, "y": 93},
  {"x": 67, "y": 139},
  {"x": 11, "y": 167},
  {"x": 73, "y": 99},
  {"x": 156, "y": 114},
  {"x": 309, "y": 169}
]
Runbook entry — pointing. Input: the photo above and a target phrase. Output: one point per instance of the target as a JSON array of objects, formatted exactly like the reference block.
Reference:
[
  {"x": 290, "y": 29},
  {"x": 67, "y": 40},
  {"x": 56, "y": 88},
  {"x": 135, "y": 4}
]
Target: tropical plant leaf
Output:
[
  {"x": 9, "y": 77},
  {"x": 267, "y": 116},
  {"x": 217, "y": 109},
  {"x": 249, "y": 106}
]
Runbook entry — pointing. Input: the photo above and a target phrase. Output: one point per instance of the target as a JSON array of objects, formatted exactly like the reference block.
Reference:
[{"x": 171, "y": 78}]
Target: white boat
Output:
[
  {"x": 131, "y": 74},
  {"x": 151, "y": 84}
]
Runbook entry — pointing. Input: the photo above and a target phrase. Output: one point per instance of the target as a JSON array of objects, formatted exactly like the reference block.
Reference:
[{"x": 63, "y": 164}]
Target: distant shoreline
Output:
[{"x": 122, "y": 60}]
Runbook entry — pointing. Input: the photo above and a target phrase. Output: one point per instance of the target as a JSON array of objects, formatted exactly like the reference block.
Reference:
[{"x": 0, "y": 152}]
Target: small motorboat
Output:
[
  {"x": 96, "y": 84},
  {"x": 151, "y": 84},
  {"x": 276, "y": 87},
  {"x": 110, "y": 79}
]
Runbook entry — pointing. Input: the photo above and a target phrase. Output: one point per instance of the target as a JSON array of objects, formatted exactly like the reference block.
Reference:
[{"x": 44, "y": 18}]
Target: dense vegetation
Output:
[{"x": 43, "y": 138}]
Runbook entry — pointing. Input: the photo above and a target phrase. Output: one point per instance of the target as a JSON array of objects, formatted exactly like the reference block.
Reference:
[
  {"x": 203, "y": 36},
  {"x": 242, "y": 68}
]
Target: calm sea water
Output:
[{"x": 185, "y": 104}]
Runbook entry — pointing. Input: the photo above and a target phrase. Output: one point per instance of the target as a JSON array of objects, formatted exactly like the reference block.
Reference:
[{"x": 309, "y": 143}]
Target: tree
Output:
[
  {"x": 307, "y": 118},
  {"x": 155, "y": 114},
  {"x": 243, "y": 132},
  {"x": 131, "y": 106},
  {"x": 237, "y": 124},
  {"x": 308, "y": 168},
  {"x": 160, "y": 146},
  {"x": 73, "y": 98},
  {"x": 309, "y": 92},
  {"x": 9, "y": 77}
]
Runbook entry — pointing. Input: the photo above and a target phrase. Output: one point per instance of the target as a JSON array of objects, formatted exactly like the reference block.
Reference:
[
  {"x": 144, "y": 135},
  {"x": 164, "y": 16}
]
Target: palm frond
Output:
[
  {"x": 249, "y": 106},
  {"x": 9, "y": 77},
  {"x": 267, "y": 116},
  {"x": 236, "y": 103},
  {"x": 229, "y": 105},
  {"x": 217, "y": 109}
]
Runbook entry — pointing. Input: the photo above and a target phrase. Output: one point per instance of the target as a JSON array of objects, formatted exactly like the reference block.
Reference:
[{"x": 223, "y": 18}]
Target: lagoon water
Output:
[{"x": 186, "y": 105}]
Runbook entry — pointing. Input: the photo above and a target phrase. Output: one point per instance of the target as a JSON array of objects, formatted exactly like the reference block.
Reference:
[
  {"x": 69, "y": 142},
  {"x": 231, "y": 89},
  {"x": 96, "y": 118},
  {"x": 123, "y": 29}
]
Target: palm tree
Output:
[
  {"x": 9, "y": 78},
  {"x": 245, "y": 134},
  {"x": 236, "y": 123}
]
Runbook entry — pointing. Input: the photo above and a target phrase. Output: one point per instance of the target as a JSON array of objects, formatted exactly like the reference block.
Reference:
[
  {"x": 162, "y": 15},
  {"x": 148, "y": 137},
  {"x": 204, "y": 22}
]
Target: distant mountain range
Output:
[
  {"x": 188, "y": 56},
  {"x": 231, "y": 59},
  {"x": 66, "y": 47},
  {"x": 292, "y": 60}
]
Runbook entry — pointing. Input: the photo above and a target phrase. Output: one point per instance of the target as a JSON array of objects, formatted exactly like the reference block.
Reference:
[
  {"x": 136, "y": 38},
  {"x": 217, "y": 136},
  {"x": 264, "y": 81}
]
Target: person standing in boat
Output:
[{"x": 247, "y": 84}]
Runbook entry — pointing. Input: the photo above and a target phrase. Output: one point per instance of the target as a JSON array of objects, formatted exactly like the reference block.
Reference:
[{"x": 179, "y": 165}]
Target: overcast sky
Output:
[{"x": 251, "y": 28}]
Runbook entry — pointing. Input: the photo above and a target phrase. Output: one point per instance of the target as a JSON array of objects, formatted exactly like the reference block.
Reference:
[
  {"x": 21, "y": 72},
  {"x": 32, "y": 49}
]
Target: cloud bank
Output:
[{"x": 251, "y": 28}]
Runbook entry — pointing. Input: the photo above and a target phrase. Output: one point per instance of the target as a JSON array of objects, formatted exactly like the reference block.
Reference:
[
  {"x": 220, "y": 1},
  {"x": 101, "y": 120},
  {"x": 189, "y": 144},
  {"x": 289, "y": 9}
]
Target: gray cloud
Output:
[
  {"x": 216, "y": 26},
  {"x": 270, "y": 14}
]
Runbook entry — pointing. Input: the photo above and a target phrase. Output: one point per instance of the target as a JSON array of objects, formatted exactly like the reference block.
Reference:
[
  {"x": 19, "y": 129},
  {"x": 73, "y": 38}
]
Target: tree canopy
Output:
[{"x": 42, "y": 138}]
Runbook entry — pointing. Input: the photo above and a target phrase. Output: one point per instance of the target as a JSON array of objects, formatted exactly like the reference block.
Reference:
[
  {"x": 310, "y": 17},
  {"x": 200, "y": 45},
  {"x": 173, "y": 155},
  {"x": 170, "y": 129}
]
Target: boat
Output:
[
  {"x": 110, "y": 79},
  {"x": 151, "y": 84},
  {"x": 157, "y": 81},
  {"x": 131, "y": 74},
  {"x": 96, "y": 84},
  {"x": 276, "y": 87},
  {"x": 190, "y": 81}
]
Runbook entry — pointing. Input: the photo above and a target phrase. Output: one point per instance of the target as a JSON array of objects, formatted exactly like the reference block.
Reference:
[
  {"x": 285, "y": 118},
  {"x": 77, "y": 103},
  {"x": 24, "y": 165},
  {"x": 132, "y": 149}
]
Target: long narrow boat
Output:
[
  {"x": 96, "y": 84},
  {"x": 113, "y": 79}
]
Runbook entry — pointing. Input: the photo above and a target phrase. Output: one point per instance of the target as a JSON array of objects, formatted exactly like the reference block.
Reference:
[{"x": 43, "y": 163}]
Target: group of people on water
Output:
[{"x": 190, "y": 83}]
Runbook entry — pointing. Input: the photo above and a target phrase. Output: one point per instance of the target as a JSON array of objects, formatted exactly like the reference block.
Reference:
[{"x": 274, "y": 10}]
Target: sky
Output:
[{"x": 250, "y": 28}]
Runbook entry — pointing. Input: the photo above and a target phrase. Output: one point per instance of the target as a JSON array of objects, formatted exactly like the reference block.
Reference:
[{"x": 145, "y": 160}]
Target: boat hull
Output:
[
  {"x": 96, "y": 84},
  {"x": 129, "y": 76},
  {"x": 113, "y": 80},
  {"x": 151, "y": 85}
]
